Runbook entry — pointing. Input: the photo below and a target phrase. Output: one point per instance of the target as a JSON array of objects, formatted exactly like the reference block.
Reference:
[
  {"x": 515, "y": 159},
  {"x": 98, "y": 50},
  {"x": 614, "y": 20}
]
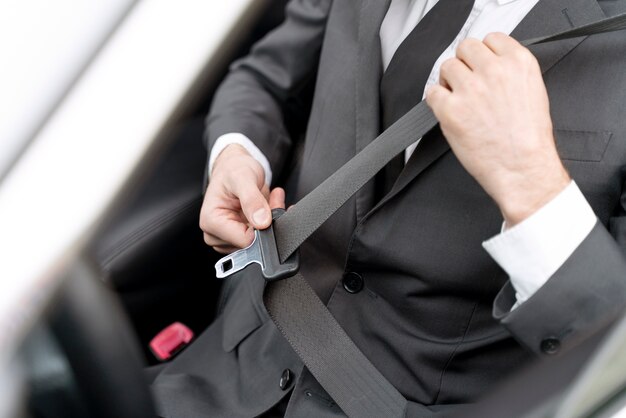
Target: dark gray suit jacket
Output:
[{"x": 434, "y": 314}]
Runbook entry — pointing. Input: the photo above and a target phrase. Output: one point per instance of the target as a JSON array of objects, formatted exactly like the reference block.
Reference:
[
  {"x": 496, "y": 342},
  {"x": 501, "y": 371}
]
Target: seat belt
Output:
[{"x": 326, "y": 350}]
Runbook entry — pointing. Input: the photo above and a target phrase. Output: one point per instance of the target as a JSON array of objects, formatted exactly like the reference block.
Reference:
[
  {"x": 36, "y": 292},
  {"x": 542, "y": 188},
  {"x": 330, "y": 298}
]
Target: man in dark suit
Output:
[{"x": 535, "y": 138}]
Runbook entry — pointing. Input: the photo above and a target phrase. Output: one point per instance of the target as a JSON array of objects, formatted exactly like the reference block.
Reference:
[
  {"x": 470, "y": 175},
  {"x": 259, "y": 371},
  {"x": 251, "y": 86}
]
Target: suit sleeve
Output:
[
  {"x": 254, "y": 98},
  {"x": 588, "y": 291},
  {"x": 585, "y": 293}
]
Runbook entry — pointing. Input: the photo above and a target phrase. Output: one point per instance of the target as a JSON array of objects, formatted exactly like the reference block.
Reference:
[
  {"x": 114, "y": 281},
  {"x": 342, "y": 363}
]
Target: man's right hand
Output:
[{"x": 237, "y": 201}]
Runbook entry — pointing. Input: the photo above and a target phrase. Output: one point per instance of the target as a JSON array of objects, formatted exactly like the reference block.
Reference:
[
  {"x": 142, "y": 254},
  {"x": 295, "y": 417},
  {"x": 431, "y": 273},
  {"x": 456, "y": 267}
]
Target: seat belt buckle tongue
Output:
[{"x": 262, "y": 251}]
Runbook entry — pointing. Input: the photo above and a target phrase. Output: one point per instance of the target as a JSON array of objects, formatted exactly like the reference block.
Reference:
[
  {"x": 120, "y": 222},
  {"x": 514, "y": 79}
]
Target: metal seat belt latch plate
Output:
[{"x": 262, "y": 251}]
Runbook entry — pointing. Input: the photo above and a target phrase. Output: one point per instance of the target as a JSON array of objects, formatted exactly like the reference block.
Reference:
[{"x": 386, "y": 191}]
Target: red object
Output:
[{"x": 170, "y": 341}]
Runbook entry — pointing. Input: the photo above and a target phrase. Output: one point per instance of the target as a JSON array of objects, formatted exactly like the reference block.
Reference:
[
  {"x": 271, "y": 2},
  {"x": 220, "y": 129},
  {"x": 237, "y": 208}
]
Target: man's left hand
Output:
[{"x": 493, "y": 109}]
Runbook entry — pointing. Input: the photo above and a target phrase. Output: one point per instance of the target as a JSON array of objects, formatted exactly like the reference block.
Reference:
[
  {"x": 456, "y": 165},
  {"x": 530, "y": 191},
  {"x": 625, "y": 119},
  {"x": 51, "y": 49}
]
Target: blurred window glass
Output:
[{"x": 44, "y": 45}]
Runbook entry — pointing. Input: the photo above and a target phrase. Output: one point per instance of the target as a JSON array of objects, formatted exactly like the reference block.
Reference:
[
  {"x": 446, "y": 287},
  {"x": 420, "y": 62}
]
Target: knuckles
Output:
[
  {"x": 206, "y": 224},
  {"x": 468, "y": 47},
  {"x": 523, "y": 57},
  {"x": 447, "y": 66},
  {"x": 208, "y": 240},
  {"x": 494, "y": 37}
]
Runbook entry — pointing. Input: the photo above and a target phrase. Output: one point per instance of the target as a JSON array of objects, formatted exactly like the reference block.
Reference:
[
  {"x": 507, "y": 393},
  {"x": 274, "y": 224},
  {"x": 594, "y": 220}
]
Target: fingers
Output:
[
  {"x": 222, "y": 229},
  {"x": 501, "y": 44},
  {"x": 227, "y": 232},
  {"x": 435, "y": 96},
  {"x": 453, "y": 73},
  {"x": 277, "y": 198},
  {"x": 474, "y": 53},
  {"x": 236, "y": 201},
  {"x": 482, "y": 56},
  {"x": 497, "y": 55},
  {"x": 227, "y": 229},
  {"x": 225, "y": 249},
  {"x": 254, "y": 204}
]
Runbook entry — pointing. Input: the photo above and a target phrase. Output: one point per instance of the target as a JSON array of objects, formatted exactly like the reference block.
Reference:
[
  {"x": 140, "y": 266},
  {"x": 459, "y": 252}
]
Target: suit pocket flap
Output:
[
  {"x": 240, "y": 315},
  {"x": 582, "y": 145}
]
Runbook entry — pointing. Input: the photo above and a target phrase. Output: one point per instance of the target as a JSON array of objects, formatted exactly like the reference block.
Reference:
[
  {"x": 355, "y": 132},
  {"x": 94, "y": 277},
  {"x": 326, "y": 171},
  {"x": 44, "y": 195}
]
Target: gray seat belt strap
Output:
[
  {"x": 299, "y": 222},
  {"x": 327, "y": 351}
]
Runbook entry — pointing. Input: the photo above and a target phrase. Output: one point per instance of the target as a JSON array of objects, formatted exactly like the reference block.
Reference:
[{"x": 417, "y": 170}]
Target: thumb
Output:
[{"x": 253, "y": 204}]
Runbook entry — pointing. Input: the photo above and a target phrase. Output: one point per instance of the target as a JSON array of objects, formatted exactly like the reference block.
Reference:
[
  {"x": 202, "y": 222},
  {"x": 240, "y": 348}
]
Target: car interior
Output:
[
  {"x": 150, "y": 249},
  {"x": 147, "y": 267}
]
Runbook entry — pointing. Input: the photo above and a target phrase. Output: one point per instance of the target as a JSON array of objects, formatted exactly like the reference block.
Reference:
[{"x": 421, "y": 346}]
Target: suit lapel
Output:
[
  {"x": 367, "y": 96},
  {"x": 548, "y": 16},
  {"x": 552, "y": 16}
]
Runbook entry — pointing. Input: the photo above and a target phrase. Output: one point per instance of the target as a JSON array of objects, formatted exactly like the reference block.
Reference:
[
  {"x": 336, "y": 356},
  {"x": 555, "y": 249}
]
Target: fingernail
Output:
[{"x": 260, "y": 217}]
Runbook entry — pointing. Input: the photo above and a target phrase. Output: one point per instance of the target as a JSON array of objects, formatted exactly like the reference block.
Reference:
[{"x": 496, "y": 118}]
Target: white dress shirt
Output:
[{"x": 533, "y": 250}]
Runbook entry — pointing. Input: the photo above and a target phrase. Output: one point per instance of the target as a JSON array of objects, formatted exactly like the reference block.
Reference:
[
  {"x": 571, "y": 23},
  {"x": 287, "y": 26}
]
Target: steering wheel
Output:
[{"x": 100, "y": 347}]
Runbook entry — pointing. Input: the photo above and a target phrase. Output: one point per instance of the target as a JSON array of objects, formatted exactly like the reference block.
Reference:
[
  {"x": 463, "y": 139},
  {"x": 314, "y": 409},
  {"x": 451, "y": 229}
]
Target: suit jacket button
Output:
[
  {"x": 550, "y": 345},
  {"x": 285, "y": 379},
  {"x": 353, "y": 282}
]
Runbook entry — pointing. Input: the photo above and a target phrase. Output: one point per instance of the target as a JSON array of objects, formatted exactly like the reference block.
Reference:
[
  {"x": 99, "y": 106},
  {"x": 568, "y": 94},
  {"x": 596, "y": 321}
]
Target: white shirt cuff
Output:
[
  {"x": 533, "y": 250},
  {"x": 240, "y": 139}
]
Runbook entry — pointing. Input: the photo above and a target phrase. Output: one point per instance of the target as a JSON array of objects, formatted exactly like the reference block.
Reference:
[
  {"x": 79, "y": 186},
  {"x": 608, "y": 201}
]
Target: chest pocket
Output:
[{"x": 587, "y": 146}]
